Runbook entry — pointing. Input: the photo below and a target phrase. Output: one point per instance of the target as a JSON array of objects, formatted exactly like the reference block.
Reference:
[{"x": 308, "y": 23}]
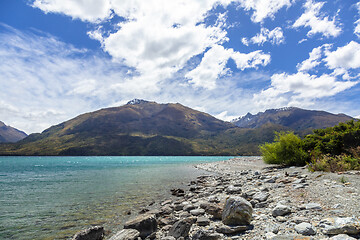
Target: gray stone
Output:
[
  {"x": 181, "y": 228},
  {"x": 202, "y": 234},
  {"x": 189, "y": 207},
  {"x": 290, "y": 237},
  {"x": 168, "y": 238},
  {"x": 298, "y": 186},
  {"x": 126, "y": 234},
  {"x": 197, "y": 212},
  {"x": 269, "y": 235},
  {"x": 230, "y": 230},
  {"x": 261, "y": 196},
  {"x": 271, "y": 180},
  {"x": 281, "y": 210},
  {"x": 335, "y": 226},
  {"x": 299, "y": 219},
  {"x": 203, "y": 221},
  {"x": 311, "y": 206},
  {"x": 145, "y": 224},
  {"x": 249, "y": 194},
  {"x": 92, "y": 233},
  {"x": 272, "y": 228},
  {"x": 178, "y": 207},
  {"x": 237, "y": 211},
  {"x": 342, "y": 237},
  {"x": 305, "y": 229},
  {"x": 297, "y": 181},
  {"x": 233, "y": 190}
]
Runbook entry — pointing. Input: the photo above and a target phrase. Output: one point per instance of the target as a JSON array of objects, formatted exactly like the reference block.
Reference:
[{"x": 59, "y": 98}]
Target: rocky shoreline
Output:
[{"x": 246, "y": 199}]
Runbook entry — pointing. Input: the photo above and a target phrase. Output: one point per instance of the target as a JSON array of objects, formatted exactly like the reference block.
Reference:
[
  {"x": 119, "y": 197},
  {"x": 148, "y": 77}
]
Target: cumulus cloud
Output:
[
  {"x": 157, "y": 38},
  {"x": 264, "y": 8},
  {"x": 312, "y": 61},
  {"x": 214, "y": 61},
  {"x": 347, "y": 57},
  {"x": 299, "y": 89},
  {"x": 50, "y": 76},
  {"x": 90, "y": 10},
  {"x": 315, "y": 58},
  {"x": 275, "y": 36},
  {"x": 57, "y": 81},
  {"x": 318, "y": 22}
]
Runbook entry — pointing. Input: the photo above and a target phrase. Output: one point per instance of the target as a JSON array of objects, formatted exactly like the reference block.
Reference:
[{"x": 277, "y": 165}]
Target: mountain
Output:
[
  {"x": 137, "y": 128},
  {"x": 10, "y": 134},
  {"x": 296, "y": 119},
  {"x": 147, "y": 128}
]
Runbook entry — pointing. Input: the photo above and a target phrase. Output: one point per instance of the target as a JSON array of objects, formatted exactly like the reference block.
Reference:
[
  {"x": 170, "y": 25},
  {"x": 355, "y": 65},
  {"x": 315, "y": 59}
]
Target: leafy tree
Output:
[{"x": 287, "y": 149}]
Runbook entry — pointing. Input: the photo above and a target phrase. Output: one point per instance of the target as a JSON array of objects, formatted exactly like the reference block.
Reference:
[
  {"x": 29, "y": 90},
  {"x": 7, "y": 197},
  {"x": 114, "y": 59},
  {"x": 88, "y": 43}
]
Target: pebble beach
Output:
[{"x": 243, "y": 198}]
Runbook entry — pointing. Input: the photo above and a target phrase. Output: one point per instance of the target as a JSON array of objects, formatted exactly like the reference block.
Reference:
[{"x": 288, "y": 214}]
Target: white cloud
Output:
[
  {"x": 274, "y": 36},
  {"x": 44, "y": 78},
  {"x": 264, "y": 8},
  {"x": 315, "y": 59},
  {"x": 89, "y": 10},
  {"x": 357, "y": 22},
  {"x": 158, "y": 37},
  {"x": 318, "y": 23},
  {"x": 214, "y": 61},
  {"x": 225, "y": 116},
  {"x": 347, "y": 57},
  {"x": 299, "y": 89},
  {"x": 245, "y": 41},
  {"x": 48, "y": 82}
]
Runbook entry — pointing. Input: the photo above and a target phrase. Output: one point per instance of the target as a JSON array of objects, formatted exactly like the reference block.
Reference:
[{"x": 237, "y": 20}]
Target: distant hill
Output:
[
  {"x": 10, "y": 134},
  {"x": 296, "y": 119},
  {"x": 147, "y": 128}
]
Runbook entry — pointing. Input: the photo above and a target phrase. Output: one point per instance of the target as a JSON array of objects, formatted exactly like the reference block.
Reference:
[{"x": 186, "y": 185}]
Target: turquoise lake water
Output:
[{"x": 54, "y": 197}]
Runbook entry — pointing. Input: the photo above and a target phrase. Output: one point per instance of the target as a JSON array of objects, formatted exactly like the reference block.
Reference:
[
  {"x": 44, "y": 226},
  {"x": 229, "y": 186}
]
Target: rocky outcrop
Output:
[
  {"x": 333, "y": 226},
  {"x": 126, "y": 234},
  {"x": 92, "y": 233},
  {"x": 181, "y": 228},
  {"x": 145, "y": 224},
  {"x": 237, "y": 211}
]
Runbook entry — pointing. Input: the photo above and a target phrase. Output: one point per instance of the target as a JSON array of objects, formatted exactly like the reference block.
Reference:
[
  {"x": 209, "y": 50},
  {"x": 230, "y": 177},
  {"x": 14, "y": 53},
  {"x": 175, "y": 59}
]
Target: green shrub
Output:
[
  {"x": 337, "y": 140},
  {"x": 339, "y": 163},
  {"x": 287, "y": 149}
]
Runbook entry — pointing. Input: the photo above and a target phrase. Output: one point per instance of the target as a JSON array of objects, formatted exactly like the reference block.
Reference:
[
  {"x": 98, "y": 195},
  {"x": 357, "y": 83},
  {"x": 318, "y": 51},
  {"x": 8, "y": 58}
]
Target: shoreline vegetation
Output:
[
  {"x": 333, "y": 149},
  {"x": 244, "y": 198}
]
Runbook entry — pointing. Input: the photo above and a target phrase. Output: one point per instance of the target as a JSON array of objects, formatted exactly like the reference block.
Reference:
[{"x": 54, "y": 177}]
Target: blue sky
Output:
[{"x": 61, "y": 58}]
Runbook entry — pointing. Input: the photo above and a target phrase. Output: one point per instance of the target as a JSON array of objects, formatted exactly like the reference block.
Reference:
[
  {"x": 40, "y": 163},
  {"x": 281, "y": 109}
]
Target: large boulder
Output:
[
  {"x": 126, "y": 234},
  {"x": 182, "y": 227},
  {"x": 92, "y": 233},
  {"x": 145, "y": 224},
  {"x": 342, "y": 237},
  {"x": 334, "y": 226},
  {"x": 237, "y": 211}
]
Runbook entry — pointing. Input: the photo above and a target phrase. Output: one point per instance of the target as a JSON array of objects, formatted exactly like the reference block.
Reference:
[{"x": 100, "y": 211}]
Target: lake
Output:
[{"x": 54, "y": 197}]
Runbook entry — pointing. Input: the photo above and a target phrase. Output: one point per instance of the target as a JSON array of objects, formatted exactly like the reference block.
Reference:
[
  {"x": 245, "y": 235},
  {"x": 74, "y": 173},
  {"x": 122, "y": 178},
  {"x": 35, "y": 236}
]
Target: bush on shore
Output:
[
  {"x": 332, "y": 149},
  {"x": 287, "y": 149}
]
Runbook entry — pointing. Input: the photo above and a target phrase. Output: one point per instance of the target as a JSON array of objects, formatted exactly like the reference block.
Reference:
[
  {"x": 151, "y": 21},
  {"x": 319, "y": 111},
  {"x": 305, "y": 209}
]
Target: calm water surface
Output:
[{"x": 53, "y": 197}]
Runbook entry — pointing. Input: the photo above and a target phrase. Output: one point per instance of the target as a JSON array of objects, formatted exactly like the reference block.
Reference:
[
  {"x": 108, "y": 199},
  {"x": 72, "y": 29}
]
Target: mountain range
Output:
[
  {"x": 10, "y": 134},
  {"x": 147, "y": 128},
  {"x": 296, "y": 119}
]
